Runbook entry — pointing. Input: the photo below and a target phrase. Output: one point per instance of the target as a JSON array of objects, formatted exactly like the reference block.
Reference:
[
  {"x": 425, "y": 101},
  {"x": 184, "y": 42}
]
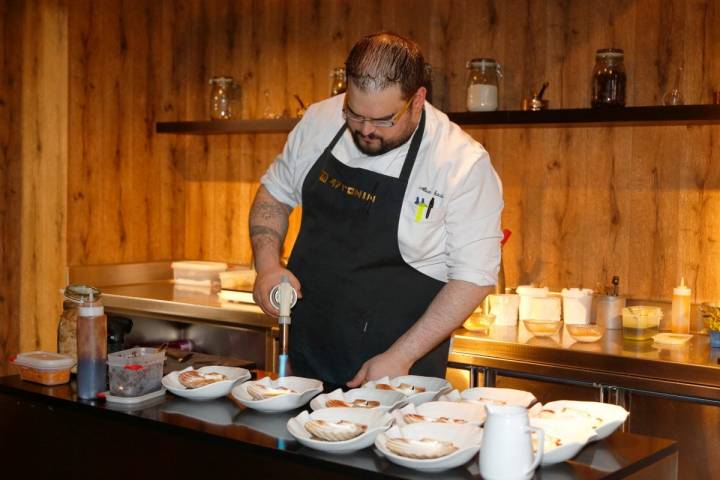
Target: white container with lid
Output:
[
  {"x": 527, "y": 293},
  {"x": 505, "y": 308},
  {"x": 545, "y": 308},
  {"x": 577, "y": 305},
  {"x": 198, "y": 273}
]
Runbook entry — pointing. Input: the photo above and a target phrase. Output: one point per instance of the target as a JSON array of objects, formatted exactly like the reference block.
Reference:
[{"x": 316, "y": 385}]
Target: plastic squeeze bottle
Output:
[
  {"x": 681, "y": 308},
  {"x": 91, "y": 349}
]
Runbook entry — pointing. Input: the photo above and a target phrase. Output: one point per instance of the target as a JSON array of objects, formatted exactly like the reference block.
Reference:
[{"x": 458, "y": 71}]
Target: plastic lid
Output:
[
  {"x": 44, "y": 360},
  {"x": 576, "y": 292},
  {"x": 198, "y": 265},
  {"x": 682, "y": 289},
  {"x": 529, "y": 291}
]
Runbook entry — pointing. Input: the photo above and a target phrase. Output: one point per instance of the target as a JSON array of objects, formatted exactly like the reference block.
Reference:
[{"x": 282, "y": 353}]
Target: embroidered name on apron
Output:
[{"x": 355, "y": 192}]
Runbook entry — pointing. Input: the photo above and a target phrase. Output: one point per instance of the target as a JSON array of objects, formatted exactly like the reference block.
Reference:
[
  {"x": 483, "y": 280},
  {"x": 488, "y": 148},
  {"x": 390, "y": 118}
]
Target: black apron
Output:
[{"x": 359, "y": 295}]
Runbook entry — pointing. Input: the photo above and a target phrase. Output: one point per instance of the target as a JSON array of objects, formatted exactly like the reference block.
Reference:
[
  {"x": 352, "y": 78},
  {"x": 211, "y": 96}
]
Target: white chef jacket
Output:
[{"x": 460, "y": 238}]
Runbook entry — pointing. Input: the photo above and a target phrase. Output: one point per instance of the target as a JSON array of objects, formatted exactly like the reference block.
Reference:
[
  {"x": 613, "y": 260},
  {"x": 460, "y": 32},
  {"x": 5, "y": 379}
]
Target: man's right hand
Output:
[{"x": 265, "y": 281}]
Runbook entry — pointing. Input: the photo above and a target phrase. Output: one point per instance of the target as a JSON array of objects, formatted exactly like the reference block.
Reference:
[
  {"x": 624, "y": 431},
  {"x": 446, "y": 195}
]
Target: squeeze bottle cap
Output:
[{"x": 682, "y": 289}]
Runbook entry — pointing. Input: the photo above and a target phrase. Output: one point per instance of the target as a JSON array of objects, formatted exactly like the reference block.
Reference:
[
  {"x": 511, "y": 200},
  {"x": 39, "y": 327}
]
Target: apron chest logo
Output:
[{"x": 349, "y": 190}]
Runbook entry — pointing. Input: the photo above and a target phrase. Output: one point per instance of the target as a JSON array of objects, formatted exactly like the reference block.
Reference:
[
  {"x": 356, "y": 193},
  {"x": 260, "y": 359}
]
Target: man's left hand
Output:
[{"x": 383, "y": 365}]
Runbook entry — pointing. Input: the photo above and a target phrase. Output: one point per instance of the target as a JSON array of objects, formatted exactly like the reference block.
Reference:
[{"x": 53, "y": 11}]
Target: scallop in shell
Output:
[
  {"x": 416, "y": 418},
  {"x": 359, "y": 403},
  {"x": 334, "y": 431},
  {"x": 423, "y": 449},
  {"x": 404, "y": 388},
  {"x": 260, "y": 392},
  {"x": 194, "y": 379}
]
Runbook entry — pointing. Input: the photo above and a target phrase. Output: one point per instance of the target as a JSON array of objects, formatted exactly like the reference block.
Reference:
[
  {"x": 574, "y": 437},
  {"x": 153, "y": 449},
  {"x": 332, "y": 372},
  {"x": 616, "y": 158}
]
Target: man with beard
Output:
[{"x": 400, "y": 233}]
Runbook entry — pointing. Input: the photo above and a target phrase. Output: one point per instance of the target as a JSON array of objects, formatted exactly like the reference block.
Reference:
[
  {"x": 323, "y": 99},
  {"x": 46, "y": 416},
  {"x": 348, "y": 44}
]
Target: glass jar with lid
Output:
[
  {"x": 609, "y": 80},
  {"x": 338, "y": 83},
  {"x": 483, "y": 78},
  {"x": 222, "y": 93},
  {"x": 74, "y": 295}
]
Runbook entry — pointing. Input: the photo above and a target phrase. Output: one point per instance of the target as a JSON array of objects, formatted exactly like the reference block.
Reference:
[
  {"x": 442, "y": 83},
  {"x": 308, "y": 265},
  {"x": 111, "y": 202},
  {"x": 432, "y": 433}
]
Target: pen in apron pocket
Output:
[
  {"x": 430, "y": 207},
  {"x": 420, "y": 210}
]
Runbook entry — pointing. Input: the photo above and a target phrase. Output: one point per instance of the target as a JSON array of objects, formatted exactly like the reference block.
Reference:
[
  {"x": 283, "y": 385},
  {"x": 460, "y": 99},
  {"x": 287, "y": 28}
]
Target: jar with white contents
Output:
[{"x": 483, "y": 79}]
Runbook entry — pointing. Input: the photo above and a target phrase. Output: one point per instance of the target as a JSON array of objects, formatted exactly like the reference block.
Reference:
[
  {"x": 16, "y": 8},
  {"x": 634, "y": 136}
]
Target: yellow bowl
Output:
[
  {"x": 543, "y": 328},
  {"x": 586, "y": 333},
  {"x": 479, "y": 322}
]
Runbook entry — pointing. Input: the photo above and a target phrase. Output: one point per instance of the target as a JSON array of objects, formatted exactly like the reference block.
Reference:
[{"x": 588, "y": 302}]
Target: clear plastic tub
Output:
[
  {"x": 135, "y": 372},
  {"x": 45, "y": 368},
  {"x": 641, "y": 322},
  {"x": 198, "y": 273}
]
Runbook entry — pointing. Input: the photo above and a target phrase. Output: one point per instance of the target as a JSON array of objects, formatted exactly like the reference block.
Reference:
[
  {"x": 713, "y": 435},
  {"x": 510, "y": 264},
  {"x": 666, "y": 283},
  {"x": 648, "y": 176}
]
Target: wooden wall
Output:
[
  {"x": 33, "y": 163},
  {"x": 584, "y": 203}
]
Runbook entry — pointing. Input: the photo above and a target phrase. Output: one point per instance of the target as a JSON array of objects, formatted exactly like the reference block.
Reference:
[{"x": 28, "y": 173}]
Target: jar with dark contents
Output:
[
  {"x": 73, "y": 295},
  {"x": 609, "y": 80}
]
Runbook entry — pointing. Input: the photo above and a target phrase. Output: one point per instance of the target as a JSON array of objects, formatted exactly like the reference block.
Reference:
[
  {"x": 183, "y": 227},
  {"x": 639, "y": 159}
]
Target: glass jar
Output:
[
  {"x": 338, "y": 81},
  {"x": 483, "y": 78},
  {"x": 609, "y": 80},
  {"x": 74, "y": 295},
  {"x": 222, "y": 92}
]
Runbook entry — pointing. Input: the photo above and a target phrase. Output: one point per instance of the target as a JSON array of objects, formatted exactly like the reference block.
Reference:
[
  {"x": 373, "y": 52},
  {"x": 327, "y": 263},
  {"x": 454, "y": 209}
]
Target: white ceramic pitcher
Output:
[{"x": 506, "y": 452}]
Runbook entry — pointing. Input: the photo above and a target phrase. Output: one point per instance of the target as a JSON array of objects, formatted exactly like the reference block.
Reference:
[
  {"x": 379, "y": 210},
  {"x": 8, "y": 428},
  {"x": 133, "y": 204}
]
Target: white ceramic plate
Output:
[
  {"x": 304, "y": 390},
  {"x": 469, "y": 412},
  {"x": 500, "y": 396},
  {"x": 208, "y": 392},
  {"x": 388, "y": 399},
  {"x": 466, "y": 437},
  {"x": 604, "y": 418},
  {"x": 433, "y": 386},
  {"x": 375, "y": 420},
  {"x": 571, "y": 436}
]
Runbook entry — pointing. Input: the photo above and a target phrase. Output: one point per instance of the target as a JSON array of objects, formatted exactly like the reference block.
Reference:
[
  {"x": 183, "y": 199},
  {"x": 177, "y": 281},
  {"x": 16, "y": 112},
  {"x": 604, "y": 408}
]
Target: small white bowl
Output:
[
  {"x": 376, "y": 422},
  {"x": 433, "y": 386},
  {"x": 467, "y": 438},
  {"x": 304, "y": 389},
  {"x": 483, "y": 395},
  {"x": 208, "y": 392},
  {"x": 604, "y": 418},
  {"x": 388, "y": 399},
  {"x": 471, "y": 413},
  {"x": 573, "y": 438}
]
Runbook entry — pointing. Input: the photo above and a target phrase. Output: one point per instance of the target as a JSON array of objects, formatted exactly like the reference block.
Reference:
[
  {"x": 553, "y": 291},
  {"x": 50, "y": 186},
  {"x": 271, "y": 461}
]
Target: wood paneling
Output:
[{"x": 584, "y": 203}]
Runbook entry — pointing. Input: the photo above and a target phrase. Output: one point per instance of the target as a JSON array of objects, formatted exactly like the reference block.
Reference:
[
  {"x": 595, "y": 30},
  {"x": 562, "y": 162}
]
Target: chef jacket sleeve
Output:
[
  {"x": 473, "y": 225},
  {"x": 281, "y": 178}
]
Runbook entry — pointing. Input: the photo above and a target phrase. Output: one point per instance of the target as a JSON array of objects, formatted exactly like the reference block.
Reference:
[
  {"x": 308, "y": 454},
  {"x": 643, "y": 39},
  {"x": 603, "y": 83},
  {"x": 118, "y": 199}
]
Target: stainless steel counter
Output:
[
  {"x": 147, "y": 288},
  {"x": 691, "y": 370}
]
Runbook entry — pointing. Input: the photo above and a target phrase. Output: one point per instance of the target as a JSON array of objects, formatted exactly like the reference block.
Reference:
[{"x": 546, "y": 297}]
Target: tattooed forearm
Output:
[
  {"x": 268, "y": 226},
  {"x": 261, "y": 230}
]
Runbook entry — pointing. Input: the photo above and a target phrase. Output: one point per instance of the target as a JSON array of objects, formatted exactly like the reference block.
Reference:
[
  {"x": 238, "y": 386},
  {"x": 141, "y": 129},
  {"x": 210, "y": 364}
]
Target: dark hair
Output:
[{"x": 383, "y": 59}]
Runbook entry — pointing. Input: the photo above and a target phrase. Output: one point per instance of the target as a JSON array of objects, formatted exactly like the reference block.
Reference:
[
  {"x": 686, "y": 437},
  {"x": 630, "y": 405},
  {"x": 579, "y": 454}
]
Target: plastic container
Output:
[
  {"x": 547, "y": 308},
  {"x": 136, "y": 371},
  {"x": 238, "y": 279},
  {"x": 505, "y": 308},
  {"x": 198, "y": 273},
  {"x": 45, "y": 368},
  {"x": 681, "y": 308},
  {"x": 577, "y": 305},
  {"x": 527, "y": 293},
  {"x": 91, "y": 348},
  {"x": 641, "y": 322},
  {"x": 608, "y": 311}
]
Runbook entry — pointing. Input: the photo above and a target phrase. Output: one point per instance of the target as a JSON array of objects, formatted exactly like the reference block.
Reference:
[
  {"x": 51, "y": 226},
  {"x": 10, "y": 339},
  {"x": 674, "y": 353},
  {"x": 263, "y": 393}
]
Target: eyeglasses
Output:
[{"x": 351, "y": 116}]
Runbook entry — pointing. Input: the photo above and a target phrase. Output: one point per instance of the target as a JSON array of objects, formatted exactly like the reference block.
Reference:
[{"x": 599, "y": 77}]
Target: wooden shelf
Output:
[
  {"x": 578, "y": 117},
  {"x": 571, "y": 117},
  {"x": 215, "y": 127}
]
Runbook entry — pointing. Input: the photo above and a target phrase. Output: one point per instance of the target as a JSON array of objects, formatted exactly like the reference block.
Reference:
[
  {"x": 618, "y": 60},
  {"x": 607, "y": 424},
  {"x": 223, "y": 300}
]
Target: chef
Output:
[{"x": 400, "y": 233}]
